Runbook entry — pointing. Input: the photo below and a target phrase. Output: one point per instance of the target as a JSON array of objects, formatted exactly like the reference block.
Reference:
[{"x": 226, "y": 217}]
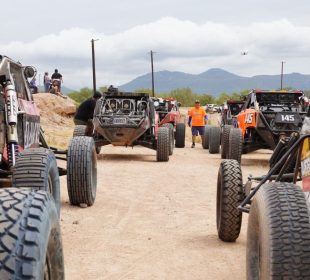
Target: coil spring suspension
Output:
[{"x": 12, "y": 150}]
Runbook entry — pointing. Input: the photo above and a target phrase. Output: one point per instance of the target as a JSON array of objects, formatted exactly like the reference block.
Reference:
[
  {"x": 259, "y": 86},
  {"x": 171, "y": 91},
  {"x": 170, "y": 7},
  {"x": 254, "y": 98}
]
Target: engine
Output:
[
  {"x": 123, "y": 106},
  {"x": 122, "y": 111}
]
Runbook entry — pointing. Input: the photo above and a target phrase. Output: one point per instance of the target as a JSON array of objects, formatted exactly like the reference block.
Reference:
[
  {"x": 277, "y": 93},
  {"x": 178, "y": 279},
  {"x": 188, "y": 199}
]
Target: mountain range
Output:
[{"x": 215, "y": 81}]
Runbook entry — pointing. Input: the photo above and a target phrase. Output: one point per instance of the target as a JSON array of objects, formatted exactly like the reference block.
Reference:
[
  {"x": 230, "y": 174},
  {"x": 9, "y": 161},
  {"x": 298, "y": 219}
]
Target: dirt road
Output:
[{"x": 153, "y": 220}]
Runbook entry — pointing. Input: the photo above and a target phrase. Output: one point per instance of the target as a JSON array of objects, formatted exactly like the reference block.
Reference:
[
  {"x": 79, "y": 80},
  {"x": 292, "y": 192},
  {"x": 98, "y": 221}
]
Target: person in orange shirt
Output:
[{"x": 197, "y": 119}]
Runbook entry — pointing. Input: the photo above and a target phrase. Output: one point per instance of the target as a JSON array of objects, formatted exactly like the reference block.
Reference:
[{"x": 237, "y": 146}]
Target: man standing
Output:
[
  {"x": 46, "y": 82},
  {"x": 57, "y": 76},
  {"x": 197, "y": 119},
  {"x": 84, "y": 114}
]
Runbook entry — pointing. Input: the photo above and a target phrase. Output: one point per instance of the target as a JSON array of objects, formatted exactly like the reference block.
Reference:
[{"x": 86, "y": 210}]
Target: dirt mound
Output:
[
  {"x": 51, "y": 104},
  {"x": 56, "y": 118}
]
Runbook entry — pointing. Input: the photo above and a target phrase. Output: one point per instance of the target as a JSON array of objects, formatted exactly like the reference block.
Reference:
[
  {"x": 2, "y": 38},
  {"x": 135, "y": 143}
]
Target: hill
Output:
[{"x": 215, "y": 81}]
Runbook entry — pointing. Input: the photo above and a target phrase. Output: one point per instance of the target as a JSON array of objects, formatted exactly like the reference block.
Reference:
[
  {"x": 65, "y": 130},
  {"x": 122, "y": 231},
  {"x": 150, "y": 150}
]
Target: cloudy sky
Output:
[{"x": 187, "y": 35}]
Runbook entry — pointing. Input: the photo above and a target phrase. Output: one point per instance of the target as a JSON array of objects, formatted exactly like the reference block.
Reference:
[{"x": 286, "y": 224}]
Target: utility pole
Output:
[
  {"x": 93, "y": 63},
  {"x": 152, "y": 65},
  {"x": 282, "y": 62}
]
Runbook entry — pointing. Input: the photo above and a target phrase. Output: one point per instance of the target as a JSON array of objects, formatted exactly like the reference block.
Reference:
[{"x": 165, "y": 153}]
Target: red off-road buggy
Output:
[{"x": 170, "y": 116}]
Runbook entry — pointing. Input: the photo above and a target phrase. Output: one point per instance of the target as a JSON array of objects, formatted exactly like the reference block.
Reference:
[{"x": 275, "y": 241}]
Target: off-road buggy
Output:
[
  {"x": 129, "y": 119},
  {"x": 170, "y": 116},
  {"x": 278, "y": 234},
  {"x": 266, "y": 117},
  {"x": 30, "y": 240},
  {"x": 214, "y": 135},
  {"x": 231, "y": 109}
]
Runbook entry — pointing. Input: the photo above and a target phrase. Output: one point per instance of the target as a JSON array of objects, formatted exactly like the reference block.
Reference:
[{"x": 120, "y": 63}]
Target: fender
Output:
[{"x": 247, "y": 119}]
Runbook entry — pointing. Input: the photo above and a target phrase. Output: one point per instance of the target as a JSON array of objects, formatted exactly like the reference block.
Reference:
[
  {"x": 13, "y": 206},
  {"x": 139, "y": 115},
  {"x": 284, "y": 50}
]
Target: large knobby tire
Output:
[
  {"x": 205, "y": 138},
  {"x": 235, "y": 144},
  {"x": 278, "y": 237},
  {"x": 229, "y": 196},
  {"x": 30, "y": 238},
  {"x": 82, "y": 171},
  {"x": 80, "y": 130},
  {"x": 36, "y": 168},
  {"x": 163, "y": 144},
  {"x": 180, "y": 135},
  {"x": 214, "y": 140},
  {"x": 171, "y": 136},
  {"x": 225, "y": 140}
]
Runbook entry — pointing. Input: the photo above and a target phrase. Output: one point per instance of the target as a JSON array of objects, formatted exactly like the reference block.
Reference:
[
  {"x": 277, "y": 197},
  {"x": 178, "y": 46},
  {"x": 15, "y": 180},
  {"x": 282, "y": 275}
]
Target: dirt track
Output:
[{"x": 153, "y": 220}]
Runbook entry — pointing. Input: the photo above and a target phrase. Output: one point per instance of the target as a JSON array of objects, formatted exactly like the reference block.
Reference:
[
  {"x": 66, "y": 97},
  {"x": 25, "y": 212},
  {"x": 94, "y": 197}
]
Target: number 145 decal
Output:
[{"x": 249, "y": 118}]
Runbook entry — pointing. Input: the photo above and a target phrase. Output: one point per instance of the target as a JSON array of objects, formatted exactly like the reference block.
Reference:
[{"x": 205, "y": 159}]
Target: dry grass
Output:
[{"x": 59, "y": 136}]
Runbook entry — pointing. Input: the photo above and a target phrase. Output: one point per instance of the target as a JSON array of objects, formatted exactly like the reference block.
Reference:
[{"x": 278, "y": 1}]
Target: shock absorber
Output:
[{"x": 11, "y": 111}]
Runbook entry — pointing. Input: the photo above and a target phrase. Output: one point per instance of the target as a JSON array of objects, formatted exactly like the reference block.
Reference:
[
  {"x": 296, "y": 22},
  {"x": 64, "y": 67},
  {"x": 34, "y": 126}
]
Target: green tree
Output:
[
  {"x": 80, "y": 96},
  {"x": 84, "y": 93}
]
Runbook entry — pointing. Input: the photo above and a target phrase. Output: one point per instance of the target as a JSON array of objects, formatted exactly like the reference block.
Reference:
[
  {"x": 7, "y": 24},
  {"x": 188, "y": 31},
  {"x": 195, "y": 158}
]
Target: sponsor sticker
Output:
[{"x": 305, "y": 165}]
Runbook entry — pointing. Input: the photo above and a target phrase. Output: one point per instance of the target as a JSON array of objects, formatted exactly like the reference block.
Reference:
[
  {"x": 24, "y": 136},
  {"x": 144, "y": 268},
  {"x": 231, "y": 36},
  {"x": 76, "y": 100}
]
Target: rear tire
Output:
[
  {"x": 225, "y": 140},
  {"x": 229, "y": 196},
  {"x": 205, "y": 139},
  {"x": 171, "y": 137},
  {"x": 180, "y": 135},
  {"x": 235, "y": 144},
  {"x": 30, "y": 238},
  {"x": 214, "y": 140},
  {"x": 36, "y": 169},
  {"x": 82, "y": 171},
  {"x": 163, "y": 144},
  {"x": 278, "y": 237}
]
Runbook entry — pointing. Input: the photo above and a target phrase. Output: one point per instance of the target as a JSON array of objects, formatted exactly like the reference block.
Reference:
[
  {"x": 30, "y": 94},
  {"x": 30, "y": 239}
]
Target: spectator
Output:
[
  {"x": 46, "y": 82},
  {"x": 197, "y": 119},
  {"x": 55, "y": 88},
  {"x": 57, "y": 76},
  {"x": 33, "y": 86},
  {"x": 85, "y": 112},
  {"x": 112, "y": 90}
]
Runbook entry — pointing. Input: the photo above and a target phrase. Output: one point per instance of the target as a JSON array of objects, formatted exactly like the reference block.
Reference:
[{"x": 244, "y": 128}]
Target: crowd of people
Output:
[{"x": 53, "y": 84}]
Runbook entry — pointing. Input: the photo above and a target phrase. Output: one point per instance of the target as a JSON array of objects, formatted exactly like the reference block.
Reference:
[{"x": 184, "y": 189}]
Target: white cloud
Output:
[{"x": 180, "y": 45}]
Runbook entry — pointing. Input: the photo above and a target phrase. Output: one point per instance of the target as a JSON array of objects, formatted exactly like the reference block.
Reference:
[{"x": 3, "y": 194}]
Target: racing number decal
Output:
[
  {"x": 249, "y": 118},
  {"x": 288, "y": 118}
]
